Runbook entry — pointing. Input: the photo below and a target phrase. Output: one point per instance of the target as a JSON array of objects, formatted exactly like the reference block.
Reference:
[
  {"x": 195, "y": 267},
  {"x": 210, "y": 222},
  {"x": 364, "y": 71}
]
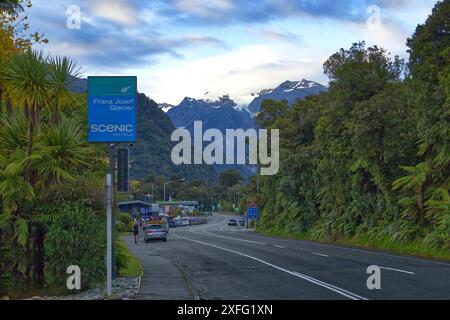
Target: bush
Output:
[
  {"x": 124, "y": 222},
  {"x": 76, "y": 236}
]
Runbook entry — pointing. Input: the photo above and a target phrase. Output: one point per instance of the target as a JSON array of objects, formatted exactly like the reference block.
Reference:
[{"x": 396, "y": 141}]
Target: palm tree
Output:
[
  {"x": 63, "y": 72},
  {"x": 29, "y": 83}
]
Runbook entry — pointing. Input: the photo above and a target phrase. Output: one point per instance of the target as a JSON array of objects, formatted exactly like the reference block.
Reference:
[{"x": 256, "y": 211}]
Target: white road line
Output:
[
  {"x": 398, "y": 270},
  {"x": 320, "y": 254},
  {"x": 318, "y": 244},
  {"x": 280, "y": 247},
  {"x": 325, "y": 285},
  {"x": 230, "y": 238}
]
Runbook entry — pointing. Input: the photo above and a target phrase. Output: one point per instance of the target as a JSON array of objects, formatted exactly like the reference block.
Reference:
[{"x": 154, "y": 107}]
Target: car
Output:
[
  {"x": 155, "y": 232},
  {"x": 242, "y": 222},
  {"x": 185, "y": 221},
  {"x": 232, "y": 222},
  {"x": 173, "y": 224}
]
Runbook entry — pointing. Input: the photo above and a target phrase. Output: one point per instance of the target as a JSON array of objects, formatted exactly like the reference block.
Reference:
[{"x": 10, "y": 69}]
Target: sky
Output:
[{"x": 180, "y": 48}]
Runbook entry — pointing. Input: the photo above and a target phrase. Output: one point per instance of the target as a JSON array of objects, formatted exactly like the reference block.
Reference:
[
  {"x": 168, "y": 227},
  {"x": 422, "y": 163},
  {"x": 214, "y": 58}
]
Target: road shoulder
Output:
[{"x": 162, "y": 280}]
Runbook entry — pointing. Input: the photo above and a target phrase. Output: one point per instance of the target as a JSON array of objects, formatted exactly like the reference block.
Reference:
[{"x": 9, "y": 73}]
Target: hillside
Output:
[{"x": 151, "y": 155}]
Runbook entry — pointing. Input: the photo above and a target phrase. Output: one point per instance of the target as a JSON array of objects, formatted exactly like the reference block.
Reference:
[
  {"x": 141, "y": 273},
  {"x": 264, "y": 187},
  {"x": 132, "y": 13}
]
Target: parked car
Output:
[
  {"x": 155, "y": 232},
  {"x": 242, "y": 222},
  {"x": 185, "y": 221},
  {"x": 232, "y": 223},
  {"x": 173, "y": 224}
]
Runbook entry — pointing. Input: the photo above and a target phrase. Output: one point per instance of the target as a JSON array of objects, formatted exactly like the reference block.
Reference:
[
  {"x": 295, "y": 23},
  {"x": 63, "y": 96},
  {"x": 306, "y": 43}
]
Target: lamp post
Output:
[{"x": 165, "y": 183}]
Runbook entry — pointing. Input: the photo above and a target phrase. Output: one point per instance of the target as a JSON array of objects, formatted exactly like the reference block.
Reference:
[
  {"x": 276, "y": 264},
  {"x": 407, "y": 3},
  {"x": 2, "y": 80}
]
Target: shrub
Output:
[{"x": 76, "y": 236}]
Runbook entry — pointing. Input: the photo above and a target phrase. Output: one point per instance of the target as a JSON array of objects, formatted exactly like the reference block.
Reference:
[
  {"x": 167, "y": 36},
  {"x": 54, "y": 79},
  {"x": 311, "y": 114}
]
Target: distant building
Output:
[
  {"x": 140, "y": 209},
  {"x": 186, "y": 206}
]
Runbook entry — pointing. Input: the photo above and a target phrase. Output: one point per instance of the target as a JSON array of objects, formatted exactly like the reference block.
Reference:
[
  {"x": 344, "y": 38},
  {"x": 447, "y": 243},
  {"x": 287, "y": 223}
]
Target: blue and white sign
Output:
[
  {"x": 253, "y": 213},
  {"x": 112, "y": 109}
]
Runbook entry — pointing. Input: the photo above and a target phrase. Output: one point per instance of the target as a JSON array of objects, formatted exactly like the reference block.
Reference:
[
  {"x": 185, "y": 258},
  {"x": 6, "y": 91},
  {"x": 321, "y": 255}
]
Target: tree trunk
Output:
[
  {"x": 8, "y": 105},
  {"x": 1, "y": 99},
  {"x": 31, "y": 119}
]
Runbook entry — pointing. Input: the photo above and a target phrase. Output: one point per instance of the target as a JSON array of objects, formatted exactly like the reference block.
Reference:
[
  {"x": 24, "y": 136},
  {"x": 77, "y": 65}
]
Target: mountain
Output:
[
  {"x": 79, "y": 86},
  {"x": 151, "y": 154},
  {"x": 288, "y": 90},
  {"x": 221, "y": 113},
  {"x": 165, "y": 106}
]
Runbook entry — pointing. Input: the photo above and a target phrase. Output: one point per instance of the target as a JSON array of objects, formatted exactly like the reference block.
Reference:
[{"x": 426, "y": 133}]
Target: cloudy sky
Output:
[{"x": 181, "y": 48}]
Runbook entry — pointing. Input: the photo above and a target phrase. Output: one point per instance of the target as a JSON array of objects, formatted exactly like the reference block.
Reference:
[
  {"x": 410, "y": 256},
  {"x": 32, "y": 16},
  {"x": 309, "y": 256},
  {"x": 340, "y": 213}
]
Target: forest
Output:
[{"x": 368, "y": 162}]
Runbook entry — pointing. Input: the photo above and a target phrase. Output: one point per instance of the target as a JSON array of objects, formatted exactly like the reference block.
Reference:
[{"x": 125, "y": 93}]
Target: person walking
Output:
[{"x": 135, "y": 231}]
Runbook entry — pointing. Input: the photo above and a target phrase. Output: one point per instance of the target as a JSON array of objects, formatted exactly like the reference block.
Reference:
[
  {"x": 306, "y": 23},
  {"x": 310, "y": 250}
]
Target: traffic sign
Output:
[
  {"x": 253, "y": 213},
  {"x": 112, "y": 109},
  {"x": 123, "y": 180}
]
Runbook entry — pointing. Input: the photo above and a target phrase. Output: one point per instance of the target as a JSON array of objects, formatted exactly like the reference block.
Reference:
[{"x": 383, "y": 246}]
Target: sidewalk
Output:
[{"x": 161, "y": 280}]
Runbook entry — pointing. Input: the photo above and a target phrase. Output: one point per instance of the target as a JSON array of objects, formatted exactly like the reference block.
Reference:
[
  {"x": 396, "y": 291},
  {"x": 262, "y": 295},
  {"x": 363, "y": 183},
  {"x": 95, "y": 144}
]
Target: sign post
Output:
[
  {"x": 123, "y": 168},
  {"x": 252, "y": 211},
  {"x": 112, "y": 119},
  {"x": 109, "y": 251}
]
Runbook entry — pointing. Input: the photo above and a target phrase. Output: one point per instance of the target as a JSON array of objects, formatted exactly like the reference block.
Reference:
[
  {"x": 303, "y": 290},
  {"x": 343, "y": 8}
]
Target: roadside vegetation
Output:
[
  {"x": 368, "y": 162},
  {"x": 51, "y": 180}
]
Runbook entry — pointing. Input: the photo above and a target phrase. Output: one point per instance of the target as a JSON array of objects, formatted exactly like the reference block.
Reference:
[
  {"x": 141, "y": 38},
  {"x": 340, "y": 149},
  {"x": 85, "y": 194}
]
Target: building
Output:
[
  {"x": 140, "y": 209},
  {"x": 186, "y": 206}
]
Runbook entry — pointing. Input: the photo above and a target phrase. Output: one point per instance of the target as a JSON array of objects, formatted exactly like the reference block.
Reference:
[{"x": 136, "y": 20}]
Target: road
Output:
[{"x": 215, "y": 261}]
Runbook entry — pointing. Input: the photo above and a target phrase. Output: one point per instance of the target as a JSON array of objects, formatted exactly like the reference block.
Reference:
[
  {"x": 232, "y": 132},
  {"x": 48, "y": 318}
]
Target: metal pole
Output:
[
  {"x": 164, "y": 192},
  {"x": 109, "y": 252},
  {"x": 112, "y": 172}
]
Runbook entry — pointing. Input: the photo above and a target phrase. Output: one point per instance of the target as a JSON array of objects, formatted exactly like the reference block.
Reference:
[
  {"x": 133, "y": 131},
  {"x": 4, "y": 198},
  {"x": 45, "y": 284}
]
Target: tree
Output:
[{"x": 230, "y": 178}]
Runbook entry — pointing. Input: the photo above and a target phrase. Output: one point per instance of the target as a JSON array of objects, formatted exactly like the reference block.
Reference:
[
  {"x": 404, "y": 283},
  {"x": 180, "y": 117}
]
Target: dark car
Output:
[
  {"x": 173, "y": 224},
  {"x": 232, "y": 222}
]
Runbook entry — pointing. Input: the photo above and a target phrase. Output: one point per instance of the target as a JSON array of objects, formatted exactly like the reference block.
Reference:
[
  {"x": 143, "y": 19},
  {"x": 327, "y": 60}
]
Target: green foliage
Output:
[
  {"x": 124, "y": 222},
  {"x": 76, "y": 236},
  {"x": 369, "y": 160},
  {"x": 230, "y": 178}
]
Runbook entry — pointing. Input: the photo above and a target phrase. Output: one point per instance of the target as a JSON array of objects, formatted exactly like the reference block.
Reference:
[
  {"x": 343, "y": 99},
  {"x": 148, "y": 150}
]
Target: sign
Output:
[
  {"x": 123, "y": 170},
  {"x": 112, "y": 109},
  {"x": 253, "y": 203},
  {"x": 253, "y": 213}
]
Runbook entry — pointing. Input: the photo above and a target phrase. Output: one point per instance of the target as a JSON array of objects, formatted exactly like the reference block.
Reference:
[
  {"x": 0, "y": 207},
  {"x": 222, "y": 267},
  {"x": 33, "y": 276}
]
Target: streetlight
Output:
[{"x": 170, "y": 183}]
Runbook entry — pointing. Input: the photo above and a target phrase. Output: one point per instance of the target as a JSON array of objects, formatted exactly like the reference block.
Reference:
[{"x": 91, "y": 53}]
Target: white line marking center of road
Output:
[
  {"x": 320, "y": 254},
  {"x": 325, "y": 285},
  {"x": 398, "y": 270}
]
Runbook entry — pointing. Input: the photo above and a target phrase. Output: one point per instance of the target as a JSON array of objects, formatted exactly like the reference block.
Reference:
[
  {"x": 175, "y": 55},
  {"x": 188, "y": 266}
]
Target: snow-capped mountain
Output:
[
  {"x": 165, "y": 106},
  {"x": 221, "y": 114},
  {"x": 290, "y": 91}
]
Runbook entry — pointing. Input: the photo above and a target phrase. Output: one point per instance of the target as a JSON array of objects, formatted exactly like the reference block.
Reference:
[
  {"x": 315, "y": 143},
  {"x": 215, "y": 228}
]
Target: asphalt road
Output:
[{"x": 215, "y": 261}]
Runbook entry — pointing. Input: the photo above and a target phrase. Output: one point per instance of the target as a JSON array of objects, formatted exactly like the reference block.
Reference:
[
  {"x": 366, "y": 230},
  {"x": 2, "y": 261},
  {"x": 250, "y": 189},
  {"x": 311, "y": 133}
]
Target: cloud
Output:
[
  {"x": 274, "y": 35},
  {"x": 240, "y": 73},
  {"x": 115, "y": 11}
]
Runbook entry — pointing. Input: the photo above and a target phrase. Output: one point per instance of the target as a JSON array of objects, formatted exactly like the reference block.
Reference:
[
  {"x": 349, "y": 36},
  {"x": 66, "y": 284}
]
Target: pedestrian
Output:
[{"x": 135, "y": 231}]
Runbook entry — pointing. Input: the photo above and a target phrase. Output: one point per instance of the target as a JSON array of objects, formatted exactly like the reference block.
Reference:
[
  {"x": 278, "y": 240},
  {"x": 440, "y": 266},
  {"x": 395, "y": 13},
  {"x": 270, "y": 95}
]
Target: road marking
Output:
[
  {"x": 225, "y": 237},
  {"x": 398, "y": 270},
  {"x": 325, "y": 285},
  {"x": 280, "y": 247},
  {"x": 318, "y": 244},
  {"x": 320, "y": 254}
]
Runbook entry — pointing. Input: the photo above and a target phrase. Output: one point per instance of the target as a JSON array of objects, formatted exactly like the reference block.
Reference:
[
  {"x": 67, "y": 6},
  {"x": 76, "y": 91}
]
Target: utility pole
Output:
[
  {"x": 109, "y": 250},
  {"x": 165, "y": 183}
]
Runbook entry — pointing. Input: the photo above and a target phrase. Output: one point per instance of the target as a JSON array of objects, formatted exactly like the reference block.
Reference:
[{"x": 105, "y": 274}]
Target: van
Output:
[{"x": 185, "y": 221}]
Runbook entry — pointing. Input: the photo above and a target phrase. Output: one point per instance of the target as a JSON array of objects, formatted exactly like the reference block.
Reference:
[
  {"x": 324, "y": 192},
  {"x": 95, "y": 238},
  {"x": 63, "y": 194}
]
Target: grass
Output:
[
  {"x": 134, "y": 266},
  {"x": 415, "y": 248}
]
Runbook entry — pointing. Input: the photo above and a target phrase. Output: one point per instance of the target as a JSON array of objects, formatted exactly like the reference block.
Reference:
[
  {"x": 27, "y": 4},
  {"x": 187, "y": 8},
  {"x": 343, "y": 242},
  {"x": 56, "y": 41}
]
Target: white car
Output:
[{"x": 185, "y": 221}]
